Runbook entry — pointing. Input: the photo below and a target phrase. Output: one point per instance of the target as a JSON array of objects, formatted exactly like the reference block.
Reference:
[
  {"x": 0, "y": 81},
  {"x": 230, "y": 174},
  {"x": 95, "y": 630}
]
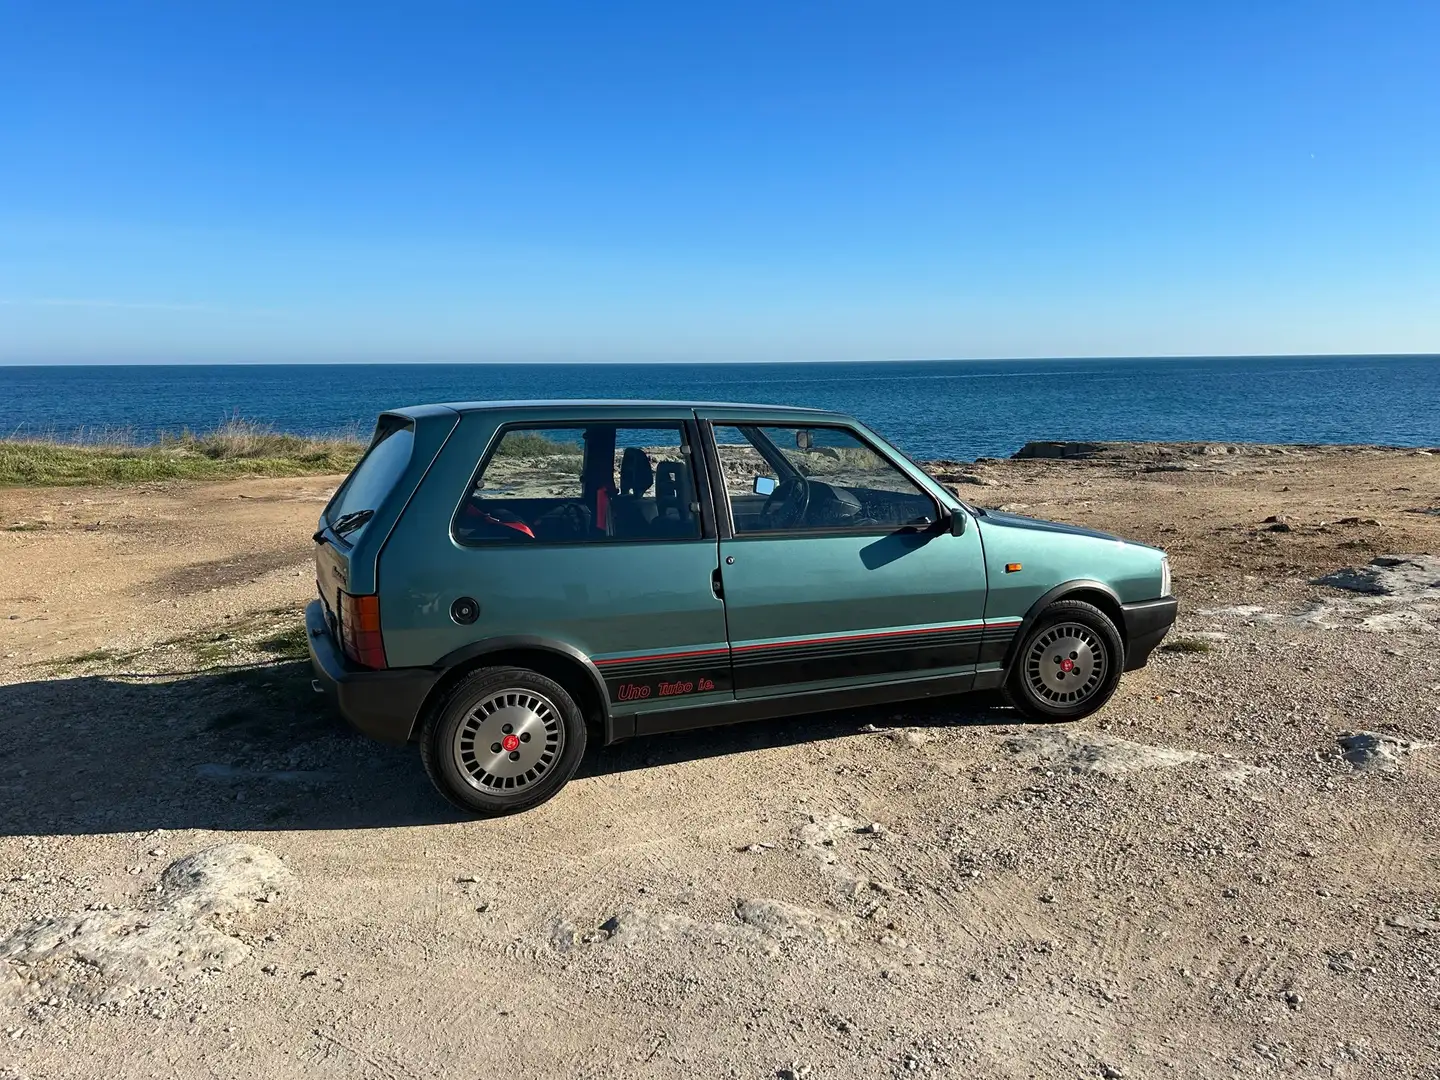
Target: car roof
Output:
[{"x": 562, "y": 404}]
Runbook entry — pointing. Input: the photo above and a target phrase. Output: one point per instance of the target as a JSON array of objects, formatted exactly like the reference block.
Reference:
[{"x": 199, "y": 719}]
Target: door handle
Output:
[{"x": 716, "y": 585}]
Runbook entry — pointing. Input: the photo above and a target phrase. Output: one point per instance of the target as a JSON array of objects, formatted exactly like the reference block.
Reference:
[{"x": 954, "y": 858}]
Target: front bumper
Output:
[
  {"x": 381, "y": 704},
  {"x": 1146, "y": 625}
]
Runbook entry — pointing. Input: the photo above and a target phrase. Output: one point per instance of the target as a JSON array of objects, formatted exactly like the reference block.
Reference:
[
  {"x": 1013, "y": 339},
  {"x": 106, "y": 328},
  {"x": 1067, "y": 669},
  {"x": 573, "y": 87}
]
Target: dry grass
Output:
[{"x": 235, "y": 448}]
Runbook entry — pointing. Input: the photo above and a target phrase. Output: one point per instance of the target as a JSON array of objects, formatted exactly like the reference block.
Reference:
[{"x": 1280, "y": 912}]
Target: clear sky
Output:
[{"x": 673, "y": 180}]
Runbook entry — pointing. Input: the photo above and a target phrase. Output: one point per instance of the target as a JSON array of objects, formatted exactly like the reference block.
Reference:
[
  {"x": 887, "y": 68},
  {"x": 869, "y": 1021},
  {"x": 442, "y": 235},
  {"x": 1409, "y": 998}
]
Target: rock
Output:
[
  {"x": 873, "y": 829},
  {"x": 1357, "y": 521},
  {"x": 611, "y": 925},
  {"x": 972, "y": 478},
  {"x": 1370, "y": 751},
  {"x": 1111, "y": 1072},
  {"x": 135, "y": 948},
  {"x": 1045, "y": 449},
  {"x": 1095, "y": 751},
  {"x": 1013, "y": 508},
  {"x": 1279, "y": 527},
  {"x": 1418, "y": 923},
  {"x": 910, "y": 737},
  {"x": 1402, "y": 576},
  {"x": 1276, "y": 519},
  {"x": 781, "y": 921},
  {"x": 1293, "y": 999}
]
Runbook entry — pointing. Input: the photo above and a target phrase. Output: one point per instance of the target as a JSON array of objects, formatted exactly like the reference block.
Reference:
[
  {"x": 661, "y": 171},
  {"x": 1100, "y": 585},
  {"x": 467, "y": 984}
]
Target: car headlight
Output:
[{"x": 1165, "y": 575}]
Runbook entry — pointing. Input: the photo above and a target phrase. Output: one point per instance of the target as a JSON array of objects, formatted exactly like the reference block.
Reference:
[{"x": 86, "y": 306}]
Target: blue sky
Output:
[{"x": 751, "y": 181}]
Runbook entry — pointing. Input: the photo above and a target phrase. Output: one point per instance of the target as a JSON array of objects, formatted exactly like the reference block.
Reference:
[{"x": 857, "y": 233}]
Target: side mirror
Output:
[
  {"x": 957, "y": 522},
  {"x": 802, "y": 439},
  {"x": 765, "y": 485}
]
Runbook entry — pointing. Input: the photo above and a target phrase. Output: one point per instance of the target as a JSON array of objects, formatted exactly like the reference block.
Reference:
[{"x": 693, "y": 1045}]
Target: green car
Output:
[{"x": 503, "y": 582}]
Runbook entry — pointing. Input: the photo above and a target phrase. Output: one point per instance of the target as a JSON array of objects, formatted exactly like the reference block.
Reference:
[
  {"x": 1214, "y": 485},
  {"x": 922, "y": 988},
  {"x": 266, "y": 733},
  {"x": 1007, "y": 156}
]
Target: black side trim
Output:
[
  {"x": 1146, "y": 625},
  {"x": 760, "y": 669},
  {"x": 736, "y": 712},
  {"x": 651, "y": 680},
  {"x": 380, "y": 704}
]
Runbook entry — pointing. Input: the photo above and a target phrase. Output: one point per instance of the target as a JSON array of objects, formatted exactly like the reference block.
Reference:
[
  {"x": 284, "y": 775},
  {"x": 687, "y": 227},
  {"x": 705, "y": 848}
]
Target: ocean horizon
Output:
[{"x": 930, "y": 408}]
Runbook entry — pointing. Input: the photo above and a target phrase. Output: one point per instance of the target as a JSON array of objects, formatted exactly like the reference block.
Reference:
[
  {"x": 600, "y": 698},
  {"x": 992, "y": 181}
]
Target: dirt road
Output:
[{"x": 1195, "y": 883}]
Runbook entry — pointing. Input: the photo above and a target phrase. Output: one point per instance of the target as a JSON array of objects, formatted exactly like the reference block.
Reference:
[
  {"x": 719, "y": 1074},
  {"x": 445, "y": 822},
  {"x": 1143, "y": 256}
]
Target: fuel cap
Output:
[{"x": 465, "y": 610}]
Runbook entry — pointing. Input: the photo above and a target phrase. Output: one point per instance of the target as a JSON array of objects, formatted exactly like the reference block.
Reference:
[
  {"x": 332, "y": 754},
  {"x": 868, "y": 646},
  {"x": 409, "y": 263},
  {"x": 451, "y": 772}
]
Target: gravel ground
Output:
[{"x": 204, "y": 873}]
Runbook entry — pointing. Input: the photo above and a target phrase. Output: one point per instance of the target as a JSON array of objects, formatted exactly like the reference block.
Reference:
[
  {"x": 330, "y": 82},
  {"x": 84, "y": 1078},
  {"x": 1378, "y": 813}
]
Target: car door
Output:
[
  {"x": 588, "y": 533},
  {"x": 838, "y": 566}
]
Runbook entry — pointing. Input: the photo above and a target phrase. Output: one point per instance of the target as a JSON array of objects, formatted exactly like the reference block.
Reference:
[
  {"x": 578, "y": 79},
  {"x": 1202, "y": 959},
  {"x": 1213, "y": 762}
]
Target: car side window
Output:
[
  {"x": 790, "y": 479},
  {"x": 583, "y": 482}
]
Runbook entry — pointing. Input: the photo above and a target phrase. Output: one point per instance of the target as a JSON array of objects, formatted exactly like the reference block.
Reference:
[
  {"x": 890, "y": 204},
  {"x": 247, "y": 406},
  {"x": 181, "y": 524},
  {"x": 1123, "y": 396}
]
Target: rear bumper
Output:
[
  {"x": 381, "y": 704},
  {"x": 1146, "y": 625}
]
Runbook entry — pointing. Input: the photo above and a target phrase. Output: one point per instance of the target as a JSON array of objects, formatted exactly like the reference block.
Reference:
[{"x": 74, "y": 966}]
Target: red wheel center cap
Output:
[
  {"x": 1067, "y": 665},
  {"x": 511, "y": 742}
]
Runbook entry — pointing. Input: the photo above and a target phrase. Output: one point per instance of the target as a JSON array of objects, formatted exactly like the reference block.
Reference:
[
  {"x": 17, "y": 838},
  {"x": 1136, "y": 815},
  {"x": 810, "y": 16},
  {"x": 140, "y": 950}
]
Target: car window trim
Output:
[
  {"x": 772, "y": 534},
  {"x": 719, "y": 497},
  {"x": 681, "y": 424}
]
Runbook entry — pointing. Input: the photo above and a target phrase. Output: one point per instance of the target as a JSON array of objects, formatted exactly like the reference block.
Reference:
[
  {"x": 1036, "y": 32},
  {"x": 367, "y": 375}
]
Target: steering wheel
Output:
[{"x": 785, "y": 506}]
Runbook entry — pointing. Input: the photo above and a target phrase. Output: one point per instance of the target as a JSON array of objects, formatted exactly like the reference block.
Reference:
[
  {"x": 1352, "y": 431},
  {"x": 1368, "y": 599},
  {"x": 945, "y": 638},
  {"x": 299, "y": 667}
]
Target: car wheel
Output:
[
  {"x": 1068, "y": 664},
  {"x": 502, "y": 740}
]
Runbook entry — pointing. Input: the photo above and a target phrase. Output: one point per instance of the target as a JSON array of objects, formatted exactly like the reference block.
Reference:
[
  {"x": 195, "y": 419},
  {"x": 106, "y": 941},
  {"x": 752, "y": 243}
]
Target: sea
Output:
[{"x": 958, "y": 409}]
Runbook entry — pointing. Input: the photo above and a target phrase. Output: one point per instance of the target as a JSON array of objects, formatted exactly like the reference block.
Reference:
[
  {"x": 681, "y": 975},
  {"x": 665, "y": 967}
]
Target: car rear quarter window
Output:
[{"x": 377, "y": 474}]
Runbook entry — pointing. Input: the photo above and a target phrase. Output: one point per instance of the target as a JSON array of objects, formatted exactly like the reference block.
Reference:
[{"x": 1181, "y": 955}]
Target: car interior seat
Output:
[
  {"x": 674, "y": 500},
  {"x": 634, "y": 514}
]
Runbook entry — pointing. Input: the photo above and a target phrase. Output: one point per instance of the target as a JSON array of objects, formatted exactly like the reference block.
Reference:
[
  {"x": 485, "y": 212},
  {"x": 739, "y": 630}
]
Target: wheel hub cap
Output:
[
  {"x": 1066, "y": 664},
  {"x": 509, "y": 741}
]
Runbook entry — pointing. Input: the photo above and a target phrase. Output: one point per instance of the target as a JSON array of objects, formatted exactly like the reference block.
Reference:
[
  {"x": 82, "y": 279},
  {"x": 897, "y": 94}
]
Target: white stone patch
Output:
[
  {"x": 1238, "y": 611},
  {"x": 1393, "y": 593},
  {"x": 1094, "y": 751},
  {"x": 111, "y": 955},
  {"x": 783, "y": 922}
]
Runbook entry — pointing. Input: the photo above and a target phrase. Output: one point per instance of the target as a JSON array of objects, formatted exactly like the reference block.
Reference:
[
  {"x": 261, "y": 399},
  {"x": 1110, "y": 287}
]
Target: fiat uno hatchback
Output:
[{"x": 503, "y": 582}]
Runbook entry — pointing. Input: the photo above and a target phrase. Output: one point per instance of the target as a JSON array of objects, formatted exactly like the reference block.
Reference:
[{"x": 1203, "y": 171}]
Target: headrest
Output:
[{"x": 636, "y": 475}]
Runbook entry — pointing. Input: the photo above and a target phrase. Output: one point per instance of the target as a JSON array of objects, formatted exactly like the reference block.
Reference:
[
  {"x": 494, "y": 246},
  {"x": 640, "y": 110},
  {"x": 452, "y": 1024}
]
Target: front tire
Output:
[
  {"x": 1068, "y": 665},
  {"x": 502, "y": 740}
]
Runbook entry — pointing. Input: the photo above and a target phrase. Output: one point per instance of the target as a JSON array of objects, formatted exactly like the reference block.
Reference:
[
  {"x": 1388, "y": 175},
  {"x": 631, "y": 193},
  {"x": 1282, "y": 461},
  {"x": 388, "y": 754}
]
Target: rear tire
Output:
[
  {"x": 502, "y": 740},
  {"x": 1068, "y": 664}
]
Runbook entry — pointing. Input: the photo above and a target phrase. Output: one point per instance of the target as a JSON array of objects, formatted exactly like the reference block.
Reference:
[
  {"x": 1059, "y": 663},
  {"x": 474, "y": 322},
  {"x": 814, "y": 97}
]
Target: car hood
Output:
[{"x": 1015, "y": 521}]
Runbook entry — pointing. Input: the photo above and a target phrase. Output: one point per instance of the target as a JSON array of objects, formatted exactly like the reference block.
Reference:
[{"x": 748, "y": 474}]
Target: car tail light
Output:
[{"x": 360, "y": 630}]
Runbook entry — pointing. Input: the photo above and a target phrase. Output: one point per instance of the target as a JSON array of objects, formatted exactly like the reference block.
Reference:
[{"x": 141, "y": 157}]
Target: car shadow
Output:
[
  {"x": 254, "y": 748},
  {"x": 653, "y": 751}
]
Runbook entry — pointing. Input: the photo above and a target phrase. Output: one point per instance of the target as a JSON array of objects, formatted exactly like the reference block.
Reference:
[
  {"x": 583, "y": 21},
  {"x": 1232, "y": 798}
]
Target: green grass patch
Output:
[
  {"x": 237, "y": 448},
  {"x": 288, "y": 644},
  {"x": 523, "y": 443},
  {"x": 1187, "y": 645}
]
